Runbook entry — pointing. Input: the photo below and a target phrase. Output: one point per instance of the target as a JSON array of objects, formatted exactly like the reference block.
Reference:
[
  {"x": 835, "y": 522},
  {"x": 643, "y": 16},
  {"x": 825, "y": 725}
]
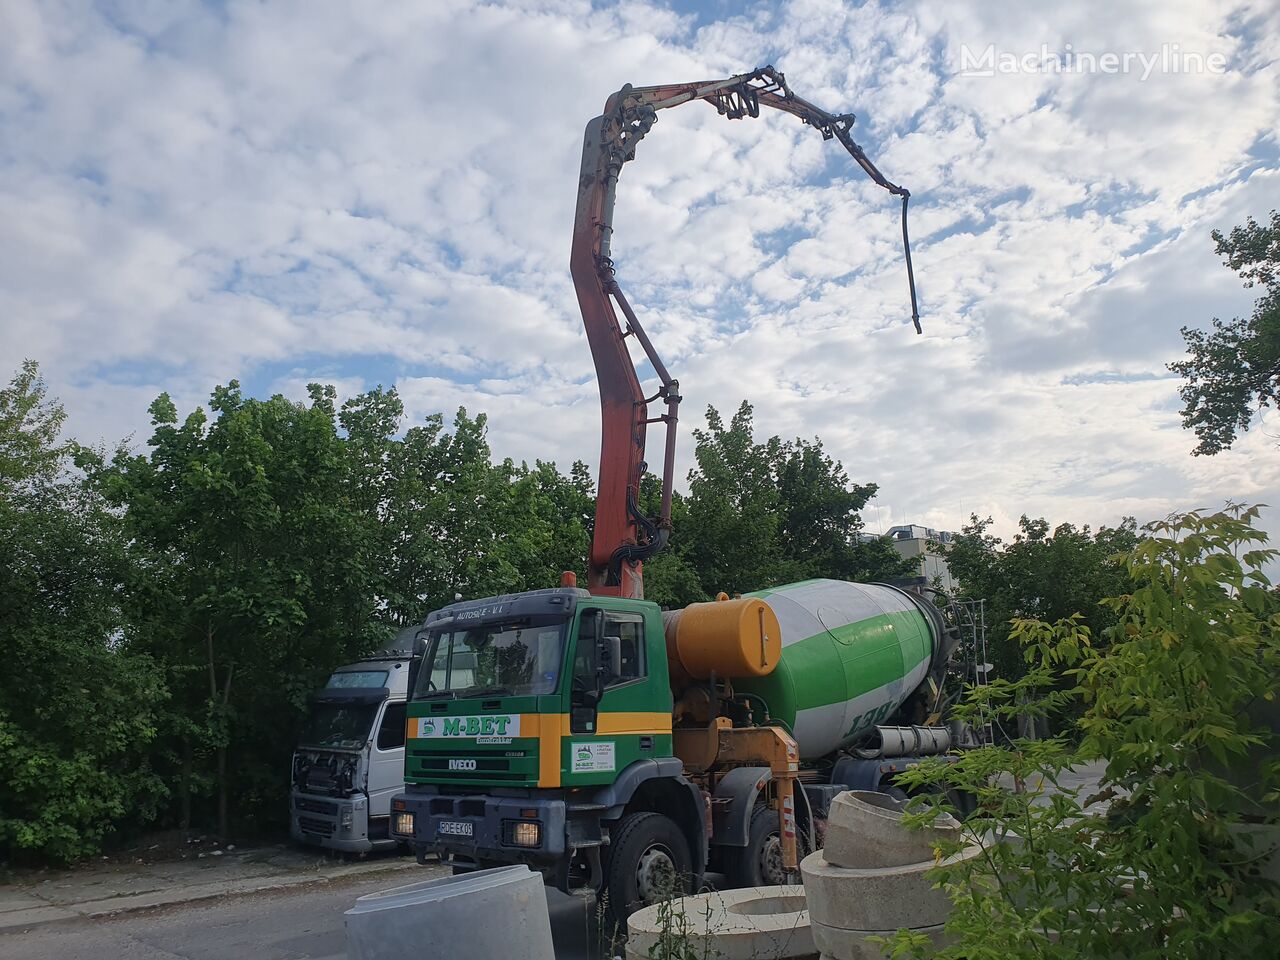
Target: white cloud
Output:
[{"x": 299, "y": 191}]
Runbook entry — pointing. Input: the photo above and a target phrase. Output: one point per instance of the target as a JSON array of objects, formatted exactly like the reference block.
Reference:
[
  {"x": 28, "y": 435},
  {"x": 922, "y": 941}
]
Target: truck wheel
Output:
[
  {"x": 648, "y": 860},
  {"x": 759, "y": 863}
]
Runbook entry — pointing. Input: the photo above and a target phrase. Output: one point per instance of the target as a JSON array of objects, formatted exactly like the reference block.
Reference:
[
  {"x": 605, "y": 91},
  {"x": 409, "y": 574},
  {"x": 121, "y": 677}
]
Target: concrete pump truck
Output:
[{"x": 620, "y": 748}]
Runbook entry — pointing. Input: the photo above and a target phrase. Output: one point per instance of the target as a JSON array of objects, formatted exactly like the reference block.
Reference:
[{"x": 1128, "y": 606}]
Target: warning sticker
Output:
[{"x": 592, "y": 757}]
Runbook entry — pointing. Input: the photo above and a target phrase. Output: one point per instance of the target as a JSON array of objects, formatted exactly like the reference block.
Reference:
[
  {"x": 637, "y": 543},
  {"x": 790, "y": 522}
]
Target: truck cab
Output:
[
  {"x": 349, "y": 761},
  {"x": 538, "y": 721}
]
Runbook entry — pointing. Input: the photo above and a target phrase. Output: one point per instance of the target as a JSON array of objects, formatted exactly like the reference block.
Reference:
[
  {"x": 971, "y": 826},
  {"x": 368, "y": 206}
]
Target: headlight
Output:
[
  {"x": 523, "y": 833},
  {"x": 402, "y": 824}
]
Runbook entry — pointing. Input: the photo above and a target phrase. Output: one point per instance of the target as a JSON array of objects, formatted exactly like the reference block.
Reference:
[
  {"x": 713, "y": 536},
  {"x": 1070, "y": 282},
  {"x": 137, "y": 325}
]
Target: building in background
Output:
[{"x": 926, "y": 545}]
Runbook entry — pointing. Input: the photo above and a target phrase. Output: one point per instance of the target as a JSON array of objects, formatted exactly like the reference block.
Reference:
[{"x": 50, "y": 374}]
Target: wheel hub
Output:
[
  {"x": 655, "y": 874},
  {"x": 771, "y": 860}
]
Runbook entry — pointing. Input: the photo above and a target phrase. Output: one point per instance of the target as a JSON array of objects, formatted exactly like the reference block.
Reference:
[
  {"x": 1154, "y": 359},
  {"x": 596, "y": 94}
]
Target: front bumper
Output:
[
  {"x": 490, "y": 836},
  {"x": 338, "y": 823}
]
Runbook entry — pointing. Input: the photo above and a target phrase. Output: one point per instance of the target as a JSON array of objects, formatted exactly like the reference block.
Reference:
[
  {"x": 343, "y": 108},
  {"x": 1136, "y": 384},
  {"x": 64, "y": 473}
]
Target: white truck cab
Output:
[{"x": 350, "y": 757}]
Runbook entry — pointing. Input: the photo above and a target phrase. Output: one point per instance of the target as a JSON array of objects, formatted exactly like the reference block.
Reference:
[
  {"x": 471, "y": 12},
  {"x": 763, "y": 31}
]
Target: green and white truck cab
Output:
[{"x": 536, "y": 718}]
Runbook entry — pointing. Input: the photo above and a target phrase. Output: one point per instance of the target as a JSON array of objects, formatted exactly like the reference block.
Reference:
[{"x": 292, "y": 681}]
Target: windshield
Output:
[
  {"x": 499, "y": 659},
  {"x": 357, "y": 678},
  {"x": 338, "y": 725}
]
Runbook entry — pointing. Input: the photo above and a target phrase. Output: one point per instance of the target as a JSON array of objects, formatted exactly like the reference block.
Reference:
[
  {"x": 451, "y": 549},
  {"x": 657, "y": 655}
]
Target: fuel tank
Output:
[{"x": 851, "y": 654}]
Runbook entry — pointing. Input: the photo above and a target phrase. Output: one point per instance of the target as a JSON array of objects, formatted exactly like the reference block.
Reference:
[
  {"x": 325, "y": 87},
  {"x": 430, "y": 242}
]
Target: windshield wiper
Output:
[
  {"x": 432, "y": 694},
  {"x": 487, "y": 692}
]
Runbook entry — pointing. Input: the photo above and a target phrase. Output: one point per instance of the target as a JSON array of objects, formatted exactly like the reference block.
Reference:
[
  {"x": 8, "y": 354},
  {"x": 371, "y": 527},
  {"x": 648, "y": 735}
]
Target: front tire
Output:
[{"x": 649, "y": 861}]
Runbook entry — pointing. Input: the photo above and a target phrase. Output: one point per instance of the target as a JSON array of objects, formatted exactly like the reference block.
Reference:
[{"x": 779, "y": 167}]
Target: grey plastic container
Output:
[{"x": 474, "y": 916}]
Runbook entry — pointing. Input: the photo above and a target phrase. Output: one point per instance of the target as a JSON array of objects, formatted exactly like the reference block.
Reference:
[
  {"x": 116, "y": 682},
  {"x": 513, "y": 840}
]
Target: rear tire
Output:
[
  {"x": 648, "y": 861},
  {"x": 759, "y": 863}
]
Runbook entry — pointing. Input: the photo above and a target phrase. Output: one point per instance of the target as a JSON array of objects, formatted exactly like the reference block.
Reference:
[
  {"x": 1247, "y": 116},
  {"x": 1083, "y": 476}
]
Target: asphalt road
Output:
[
  {"x": 304, "y": 922},
  {"x": 290, "y": 924}
]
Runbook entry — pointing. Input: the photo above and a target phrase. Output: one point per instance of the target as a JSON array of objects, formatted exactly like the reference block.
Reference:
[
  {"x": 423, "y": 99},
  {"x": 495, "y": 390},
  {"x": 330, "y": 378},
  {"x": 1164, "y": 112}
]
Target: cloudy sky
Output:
[{"x": 372, "y": 192}]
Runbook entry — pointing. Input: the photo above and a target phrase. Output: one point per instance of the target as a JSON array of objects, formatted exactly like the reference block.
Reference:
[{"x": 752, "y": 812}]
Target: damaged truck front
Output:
[{"x": 350, "y": 756}]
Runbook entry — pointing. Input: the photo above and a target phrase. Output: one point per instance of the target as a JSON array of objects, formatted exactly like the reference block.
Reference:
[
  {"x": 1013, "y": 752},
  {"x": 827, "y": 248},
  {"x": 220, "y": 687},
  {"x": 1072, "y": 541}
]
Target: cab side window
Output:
[
  {"x": 631, "y": 632},
  {"x": 584, "y": 652},
  {"x": 391, "y": 730},
  {"x": 628, "y": 629}
]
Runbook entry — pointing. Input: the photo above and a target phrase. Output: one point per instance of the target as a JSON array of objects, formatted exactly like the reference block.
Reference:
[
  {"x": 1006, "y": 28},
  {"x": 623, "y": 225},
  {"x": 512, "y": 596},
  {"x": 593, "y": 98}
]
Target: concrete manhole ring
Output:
[
  {"x": 753, "y": 923},
  {"x": 767, "y": 906}
]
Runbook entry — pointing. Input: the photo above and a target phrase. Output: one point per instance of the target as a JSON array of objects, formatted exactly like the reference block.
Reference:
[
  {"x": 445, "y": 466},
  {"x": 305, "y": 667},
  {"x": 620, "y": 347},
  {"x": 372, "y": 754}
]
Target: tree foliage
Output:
[
  {"x": 251, "y": 571},
  {"x": 79, "y": 703},
  {"x": 1233, "y": 370},
  {"x": 190, "y": 595},
  {"x": 761, "y": 514},
  {"x": 1180, "y": 705},
  {"x": 271, "y": 541},
  {"x": 1042, "y": 574}
]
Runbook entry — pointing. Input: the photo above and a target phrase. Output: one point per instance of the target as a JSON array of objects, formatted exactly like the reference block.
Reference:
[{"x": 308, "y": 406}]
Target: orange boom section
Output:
[{"x": 623, "y": 536}]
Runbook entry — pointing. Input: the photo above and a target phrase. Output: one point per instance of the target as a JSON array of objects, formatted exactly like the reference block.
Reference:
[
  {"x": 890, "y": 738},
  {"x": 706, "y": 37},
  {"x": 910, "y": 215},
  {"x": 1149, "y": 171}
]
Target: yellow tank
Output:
[{"x": 730, "y": 638}]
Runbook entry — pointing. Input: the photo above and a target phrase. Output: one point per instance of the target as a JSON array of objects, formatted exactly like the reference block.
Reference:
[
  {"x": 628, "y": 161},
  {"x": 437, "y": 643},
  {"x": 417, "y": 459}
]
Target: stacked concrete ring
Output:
[{"x": 871, "y": 878}]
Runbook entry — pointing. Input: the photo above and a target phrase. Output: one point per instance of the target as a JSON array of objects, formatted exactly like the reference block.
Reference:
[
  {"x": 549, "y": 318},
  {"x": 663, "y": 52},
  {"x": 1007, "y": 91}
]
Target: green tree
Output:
[
  {"x": 272, "y": 541},
  {"x": 1041, "y": 574},
  {"x": 760, "y": 514},
  {"x": 30, "y": 428},
  {"x": 376, "y": 488},
  {"x": 552, "y": 515},
  {"x": 821, "y": 532},
  {"x": 191, "y": 596},
  {"x": 253, "y": 578},
  {"x": 79, "y": 704},
  {"x": 1179, "y": 702},
  {"x": 1233, "y": 370},
  {"x": 453, "y": 522},
  {"x": 670, "y": 579}
]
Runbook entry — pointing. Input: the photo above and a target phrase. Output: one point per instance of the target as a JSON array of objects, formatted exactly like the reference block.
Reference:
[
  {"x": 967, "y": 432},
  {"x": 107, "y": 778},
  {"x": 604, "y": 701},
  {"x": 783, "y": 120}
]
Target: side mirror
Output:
[{"x": 609, "y": 658}]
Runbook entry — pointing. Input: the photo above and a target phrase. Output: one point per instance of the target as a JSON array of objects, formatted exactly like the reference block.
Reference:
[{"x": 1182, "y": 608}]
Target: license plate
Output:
[{"x": 455, "y": 828}]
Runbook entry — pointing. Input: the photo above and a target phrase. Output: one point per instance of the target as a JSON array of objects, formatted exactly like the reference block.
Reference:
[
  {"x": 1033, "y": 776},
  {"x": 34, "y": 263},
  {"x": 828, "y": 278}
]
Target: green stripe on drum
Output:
[{"x": 869, "y": 655}]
